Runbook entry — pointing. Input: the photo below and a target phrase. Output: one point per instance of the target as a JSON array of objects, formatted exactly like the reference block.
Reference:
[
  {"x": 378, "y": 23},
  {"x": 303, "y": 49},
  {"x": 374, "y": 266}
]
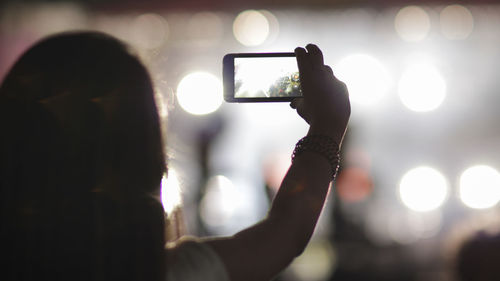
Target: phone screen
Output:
[
  {"x": 263, "y": 77},
  {"x": 266, "y": 77}
]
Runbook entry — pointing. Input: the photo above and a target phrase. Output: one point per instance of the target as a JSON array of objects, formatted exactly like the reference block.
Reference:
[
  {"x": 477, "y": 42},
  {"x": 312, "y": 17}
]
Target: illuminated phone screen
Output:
[{"x": 266, "y": 77}]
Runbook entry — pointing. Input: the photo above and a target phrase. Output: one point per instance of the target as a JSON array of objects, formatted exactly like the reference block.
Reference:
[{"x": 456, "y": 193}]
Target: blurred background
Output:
[{"x": 421, "y": 158}]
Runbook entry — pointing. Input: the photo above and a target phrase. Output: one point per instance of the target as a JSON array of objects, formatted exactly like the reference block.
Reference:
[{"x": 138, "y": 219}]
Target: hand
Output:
[{"x": 325, "y": 104}]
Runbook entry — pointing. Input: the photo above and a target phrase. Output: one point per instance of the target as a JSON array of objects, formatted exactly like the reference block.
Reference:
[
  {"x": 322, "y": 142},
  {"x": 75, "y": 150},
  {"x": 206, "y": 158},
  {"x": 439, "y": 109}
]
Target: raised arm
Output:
[{"x": 263, "y": 250}]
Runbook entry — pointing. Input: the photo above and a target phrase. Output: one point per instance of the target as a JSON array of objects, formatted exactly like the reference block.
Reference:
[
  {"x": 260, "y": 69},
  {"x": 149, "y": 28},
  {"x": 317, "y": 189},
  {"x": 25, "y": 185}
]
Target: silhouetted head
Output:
[
  {"x": 478, "y": 258},
  {"x": 81, "y": 160},
  {"x": 98, "y": 92}
]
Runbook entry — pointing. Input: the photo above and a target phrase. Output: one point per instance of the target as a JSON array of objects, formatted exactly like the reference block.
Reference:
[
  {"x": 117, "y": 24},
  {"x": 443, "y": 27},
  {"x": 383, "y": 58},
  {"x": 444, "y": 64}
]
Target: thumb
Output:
[{"x": 298, "y": 104}]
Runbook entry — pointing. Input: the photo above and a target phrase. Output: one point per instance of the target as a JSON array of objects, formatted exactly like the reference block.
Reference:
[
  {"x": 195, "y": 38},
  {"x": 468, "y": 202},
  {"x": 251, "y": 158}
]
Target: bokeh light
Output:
[
  {"x": 205, "y": 28},
  {"x": 380, "y": 73},
  {"x": 480, "y": 187},
  {"x": 274, "y": 169},
  {"x": 422, "y": 88},
  {"x": 219, "y": 202},
  {"x": 409, "y": 227},
  {"x": 171, "y": 196},
  {"x": 456, "y": 22},
  {"x": 423, "y": 189},
  {"x": 412, "y": 23},
  {"x": 274, "y": 25},
  {"x": 316, "y": 263},
  {"x": 200, "y": 93},
  {"x": 251, "y": 28},
  {"x": 116, "y": 25},
  {"x": 149, "y": 31},
  {"x": 354, "y": 184},
  {"x": 227, "y": 205},
  {"x": 41, "y": 18},
  {"x": 366, "y": 78}
]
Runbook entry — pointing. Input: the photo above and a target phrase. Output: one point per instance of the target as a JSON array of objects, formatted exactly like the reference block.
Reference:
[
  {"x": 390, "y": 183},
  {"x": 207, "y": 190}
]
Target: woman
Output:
[{"x": 82, "y": 161}]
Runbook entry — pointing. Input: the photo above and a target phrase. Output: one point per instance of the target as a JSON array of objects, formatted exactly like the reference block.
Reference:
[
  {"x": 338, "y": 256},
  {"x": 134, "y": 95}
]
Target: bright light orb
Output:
[
  {"x": 220, "y": 202},
  {"x": 251, "y": 28},
  {"x": 456, "y": 21},
  {"x": 274, "y": 25},
  {"x": 200, "y": 93},
  {"x": 423, "y": 189},
  {"x": 366, "y": 78},
  {"x": 480, "y": 187},
  {"x": 412, "y": 23},
  {"x": 422, "y": 88},
  {"x": 170, "y": 192}
]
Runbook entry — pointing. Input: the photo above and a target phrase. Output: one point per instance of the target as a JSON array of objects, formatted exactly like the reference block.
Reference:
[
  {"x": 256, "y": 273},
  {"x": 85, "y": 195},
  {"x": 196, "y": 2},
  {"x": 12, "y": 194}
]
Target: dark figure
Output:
[
  {"x": 82, "y": 161},
  {"x": 478, "y": 258}
]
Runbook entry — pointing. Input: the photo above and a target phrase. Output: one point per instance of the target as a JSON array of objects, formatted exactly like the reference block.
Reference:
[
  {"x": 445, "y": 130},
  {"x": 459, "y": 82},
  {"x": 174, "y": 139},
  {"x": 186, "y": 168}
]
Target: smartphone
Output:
[{"x": 260, "y": 77}]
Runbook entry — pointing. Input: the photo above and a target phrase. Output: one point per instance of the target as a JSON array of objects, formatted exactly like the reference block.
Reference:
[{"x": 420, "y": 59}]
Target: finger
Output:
[
  {"x": 293, "y": 104},
  {"x": 343, "y": 85},
  {"x": 302, "y": 112},
  {"x": 304, "y": 65},
  {"x": 303, "y": 61},
  {"x": 328, "y": 70},
  {"x": 316, "y": 56},
  {"x": 298, "y": 104}
]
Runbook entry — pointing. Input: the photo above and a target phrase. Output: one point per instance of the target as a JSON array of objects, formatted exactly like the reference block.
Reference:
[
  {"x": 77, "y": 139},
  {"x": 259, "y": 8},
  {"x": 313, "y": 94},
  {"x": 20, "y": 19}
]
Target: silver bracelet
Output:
[{"x": 324, "y": 146}]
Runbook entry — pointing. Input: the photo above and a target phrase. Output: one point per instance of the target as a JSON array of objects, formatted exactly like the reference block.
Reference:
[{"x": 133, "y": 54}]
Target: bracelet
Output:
[{"x": 323, "y": 145}]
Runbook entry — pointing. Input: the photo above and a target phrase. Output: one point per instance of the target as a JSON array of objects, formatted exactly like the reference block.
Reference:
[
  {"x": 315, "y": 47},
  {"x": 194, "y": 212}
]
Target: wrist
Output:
[
  {"x": 323, "y": 145},
  {"x": 335, "y": 133}
]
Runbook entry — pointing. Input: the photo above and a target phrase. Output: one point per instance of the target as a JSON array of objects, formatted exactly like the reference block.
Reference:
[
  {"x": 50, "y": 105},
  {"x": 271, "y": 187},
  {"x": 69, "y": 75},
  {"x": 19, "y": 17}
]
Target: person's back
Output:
[{"x": 81, "y": 163}]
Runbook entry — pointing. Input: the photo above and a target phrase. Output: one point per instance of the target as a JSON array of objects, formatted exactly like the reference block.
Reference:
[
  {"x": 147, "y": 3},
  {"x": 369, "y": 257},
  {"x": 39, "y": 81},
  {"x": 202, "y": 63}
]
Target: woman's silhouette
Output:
[{"x": 82, "y": 160}]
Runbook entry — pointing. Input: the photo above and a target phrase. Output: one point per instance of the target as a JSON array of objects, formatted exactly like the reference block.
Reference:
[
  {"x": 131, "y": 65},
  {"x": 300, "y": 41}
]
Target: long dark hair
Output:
[{"x": 81, "y": 164}]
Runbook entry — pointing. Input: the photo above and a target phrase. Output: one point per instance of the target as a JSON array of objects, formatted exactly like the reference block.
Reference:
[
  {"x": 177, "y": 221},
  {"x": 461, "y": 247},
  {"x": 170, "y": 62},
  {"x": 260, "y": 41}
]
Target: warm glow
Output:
[
  {"x": 366, "y": 78},
  {"x": 170, "y": 192},
  {"x": 200, "y": 93},
  {"x": 274, "y": 26},
  {"x": 251, "y": 28},
  {"x": 149, "y": 31},
  {"x": 205, "y": 28},
  {"x": 422, "y": 88},
  {"x": 316, "y": 263},
  {"x": 412, "y": 23},
  {"x": 423, "y": 189},
  {"x": 480, "y": 187},
  {"x": 354, "y": 184},
  {"x": 456, "y": 22}
]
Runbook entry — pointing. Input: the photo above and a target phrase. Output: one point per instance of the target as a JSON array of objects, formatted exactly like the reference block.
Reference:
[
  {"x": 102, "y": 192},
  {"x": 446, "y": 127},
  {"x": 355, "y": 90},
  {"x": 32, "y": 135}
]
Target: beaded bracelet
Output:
[{"x": 323, "y": 145}]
